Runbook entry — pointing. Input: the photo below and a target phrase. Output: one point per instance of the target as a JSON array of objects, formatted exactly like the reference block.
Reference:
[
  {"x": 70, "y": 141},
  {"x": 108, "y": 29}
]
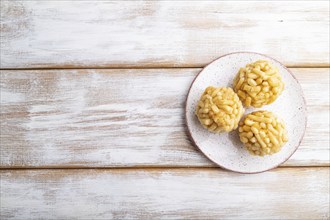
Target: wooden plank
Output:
[
  {"x": 116, "y": 118},
  {"x": 285, "y": 193},
  {"x": 70, "y": 34}
]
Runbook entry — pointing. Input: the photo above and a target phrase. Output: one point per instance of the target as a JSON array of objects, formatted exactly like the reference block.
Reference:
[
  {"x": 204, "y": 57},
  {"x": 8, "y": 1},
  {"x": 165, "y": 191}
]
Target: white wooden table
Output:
[{"x": 92, "y": 102}]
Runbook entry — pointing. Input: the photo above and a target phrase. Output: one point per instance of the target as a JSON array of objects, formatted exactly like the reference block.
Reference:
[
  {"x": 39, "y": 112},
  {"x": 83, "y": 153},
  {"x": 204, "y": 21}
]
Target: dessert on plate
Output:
[
  {"x": 219, "y": 109},
  {"x": 262, "y": 133},
  {"x": 258, "y": 84}
]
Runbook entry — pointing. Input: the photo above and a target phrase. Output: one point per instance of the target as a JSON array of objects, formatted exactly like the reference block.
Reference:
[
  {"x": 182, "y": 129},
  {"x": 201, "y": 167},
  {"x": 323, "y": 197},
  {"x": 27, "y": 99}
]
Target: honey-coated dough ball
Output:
[
  {"x": 258, "y": 84},
  {"x": 219, "y": 109},
  {"x": 262, "y": 133}
]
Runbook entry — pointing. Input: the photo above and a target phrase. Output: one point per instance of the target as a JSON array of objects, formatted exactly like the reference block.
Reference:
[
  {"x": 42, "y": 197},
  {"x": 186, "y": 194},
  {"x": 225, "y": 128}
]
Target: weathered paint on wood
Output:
[
  {"x": 284, "y": 193},
  {"x": 39, "y": 34},
  {"x": 124, "y": 118},
  {"x": 134, "y": 118}
]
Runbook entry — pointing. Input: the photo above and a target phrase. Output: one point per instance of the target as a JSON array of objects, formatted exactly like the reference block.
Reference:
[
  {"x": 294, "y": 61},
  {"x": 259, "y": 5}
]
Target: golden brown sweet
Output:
[
  {"x": 219, "y": 109},
  {"x": 258, "y": 84},
  {"x": 262, "y": 133}
]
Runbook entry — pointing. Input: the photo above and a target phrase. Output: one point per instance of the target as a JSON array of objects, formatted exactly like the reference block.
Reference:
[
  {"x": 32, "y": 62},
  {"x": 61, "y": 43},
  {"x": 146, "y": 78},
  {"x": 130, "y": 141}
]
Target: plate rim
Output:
[{"x": 304, "y": 112}]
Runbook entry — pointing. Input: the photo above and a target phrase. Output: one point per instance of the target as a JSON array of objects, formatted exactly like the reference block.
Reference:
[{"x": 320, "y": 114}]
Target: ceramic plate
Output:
[{"x": 225, "y": 149}]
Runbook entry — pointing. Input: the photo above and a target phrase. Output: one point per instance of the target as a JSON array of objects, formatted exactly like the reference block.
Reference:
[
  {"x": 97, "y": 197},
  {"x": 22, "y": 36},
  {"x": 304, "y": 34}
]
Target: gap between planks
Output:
[
  {"x": 140, "y": 67},
  {"x": 147, "y": 168}
]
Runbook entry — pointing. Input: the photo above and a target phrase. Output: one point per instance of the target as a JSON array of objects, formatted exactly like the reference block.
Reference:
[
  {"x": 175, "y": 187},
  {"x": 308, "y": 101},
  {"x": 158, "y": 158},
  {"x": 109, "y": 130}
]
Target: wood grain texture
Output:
[
  {"x": 285, "y": 193},
  {"x": 124, "y": 118},
  {"x": 71, "y": 34}
]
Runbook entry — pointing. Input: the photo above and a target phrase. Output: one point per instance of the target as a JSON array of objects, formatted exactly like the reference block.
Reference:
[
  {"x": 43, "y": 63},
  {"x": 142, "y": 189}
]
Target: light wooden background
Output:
[{"x": 92, "y": 109}]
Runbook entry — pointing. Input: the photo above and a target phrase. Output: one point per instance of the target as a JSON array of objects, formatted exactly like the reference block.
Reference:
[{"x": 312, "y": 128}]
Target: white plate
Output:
[{"x": 225, "y": 149}]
